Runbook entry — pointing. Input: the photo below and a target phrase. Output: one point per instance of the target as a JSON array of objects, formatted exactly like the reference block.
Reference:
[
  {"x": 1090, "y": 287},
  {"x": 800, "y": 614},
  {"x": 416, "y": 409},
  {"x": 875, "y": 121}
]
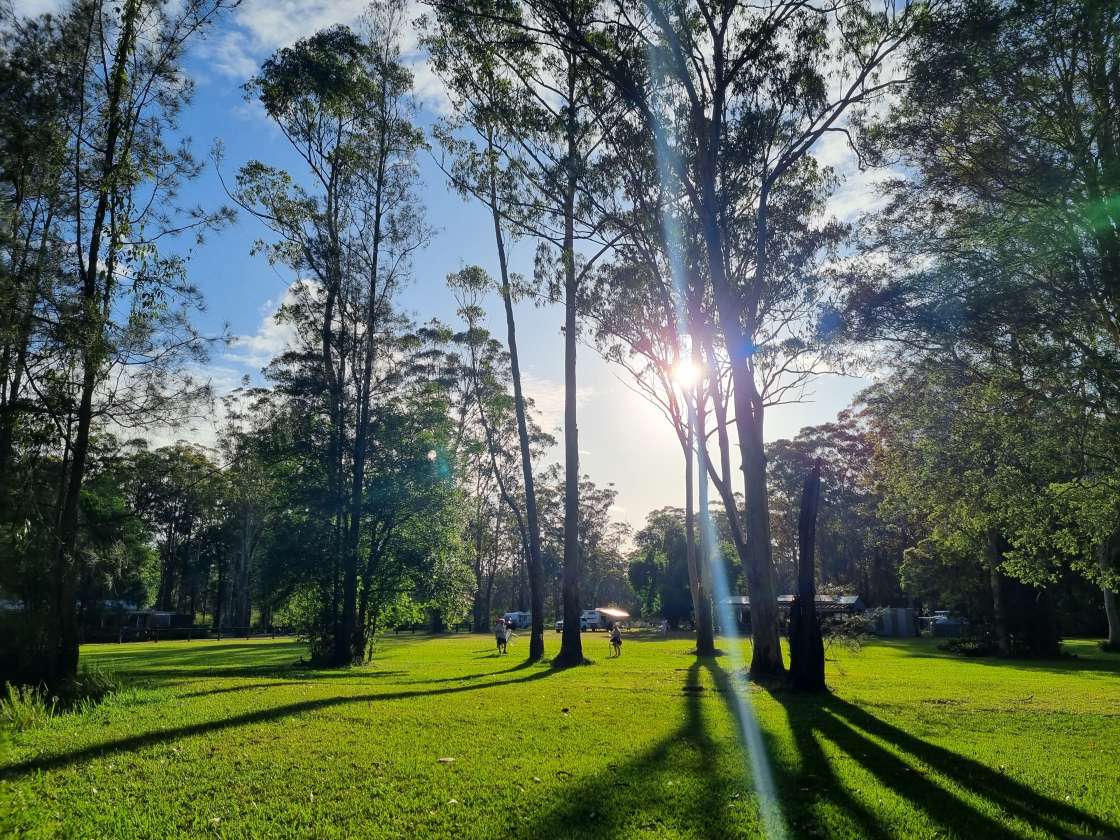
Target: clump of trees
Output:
[{"x": 95, "y": 327}]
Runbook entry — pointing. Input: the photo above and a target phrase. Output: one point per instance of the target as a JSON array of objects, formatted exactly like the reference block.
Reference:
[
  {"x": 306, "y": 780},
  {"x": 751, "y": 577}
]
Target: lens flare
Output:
[
  {"x": 668, "y": 165},
  {"x": 685, "y": 374},
  {"x": 749, "y": 731}
]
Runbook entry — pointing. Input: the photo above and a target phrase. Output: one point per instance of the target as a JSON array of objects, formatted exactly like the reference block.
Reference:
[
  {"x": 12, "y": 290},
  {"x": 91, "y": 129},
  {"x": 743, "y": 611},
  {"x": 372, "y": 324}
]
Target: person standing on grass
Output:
[
  {"x": 501, "y": 635},
  {"x": 616, "y": 639}
]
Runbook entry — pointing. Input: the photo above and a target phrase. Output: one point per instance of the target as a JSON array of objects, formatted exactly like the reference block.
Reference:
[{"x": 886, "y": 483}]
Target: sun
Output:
[{"x": 685, "y": 373}]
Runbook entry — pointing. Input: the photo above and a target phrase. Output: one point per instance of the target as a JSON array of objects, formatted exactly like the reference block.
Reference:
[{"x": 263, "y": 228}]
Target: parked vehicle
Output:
[
  {"x": 521, "y": 619},
  {"x": 599, "y": 618},
  {"x": 943, "y": 623}
]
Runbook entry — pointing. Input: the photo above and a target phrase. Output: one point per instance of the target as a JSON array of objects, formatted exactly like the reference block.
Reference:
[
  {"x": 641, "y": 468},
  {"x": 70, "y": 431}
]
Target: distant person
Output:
[
  {"x": 501, "y": 636},
  {"x": 664, "y": 627},
  {"x": 616, "y": 639}
]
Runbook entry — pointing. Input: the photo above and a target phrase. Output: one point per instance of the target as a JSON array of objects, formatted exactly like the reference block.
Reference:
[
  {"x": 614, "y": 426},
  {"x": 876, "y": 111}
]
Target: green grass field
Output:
[{"x": 234, "y": 739}]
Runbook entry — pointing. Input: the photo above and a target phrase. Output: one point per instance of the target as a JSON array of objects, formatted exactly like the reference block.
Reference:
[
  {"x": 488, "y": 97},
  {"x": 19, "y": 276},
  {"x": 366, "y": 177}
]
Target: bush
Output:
[
  {"x": 850, "y": 631},
  {"x": 969, "y": 646}
]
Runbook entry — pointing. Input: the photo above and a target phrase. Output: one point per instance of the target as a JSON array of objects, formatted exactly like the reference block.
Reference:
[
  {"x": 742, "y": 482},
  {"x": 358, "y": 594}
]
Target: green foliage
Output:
[
  {"x": 859, "y": 545},
  {"x": 658, "y": 568}
]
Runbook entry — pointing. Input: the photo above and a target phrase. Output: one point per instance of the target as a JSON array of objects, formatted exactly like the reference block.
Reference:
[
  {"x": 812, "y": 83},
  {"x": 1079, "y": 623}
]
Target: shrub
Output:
[{"x": 849, "y": 631}]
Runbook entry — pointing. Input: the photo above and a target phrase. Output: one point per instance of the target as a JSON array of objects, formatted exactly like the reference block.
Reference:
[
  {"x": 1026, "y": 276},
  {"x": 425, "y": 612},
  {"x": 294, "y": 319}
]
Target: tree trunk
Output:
[
  {"x": 767, "y": 656},
  {"x": 481, "y": 607},
  {"x": 1106, "y": 558},
  {"x": 349, "y": 644},
  {"x": 62, "y": 641},
  {"x": 705, "y": 626},
  {"x": 1112, "y": 613},
  {"x": 806, "y": 648},
  {"x": 690, "y": 526},
  {"x": 220, "y": 612},
  {"x": 994, "y": 550},
  {"x": 535, "y": 560},
  {"x": 571, "y": 645}
]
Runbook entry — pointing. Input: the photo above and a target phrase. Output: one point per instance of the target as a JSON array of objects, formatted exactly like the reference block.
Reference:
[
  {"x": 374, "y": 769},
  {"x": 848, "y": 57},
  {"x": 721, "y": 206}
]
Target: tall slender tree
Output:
[
  {"x": 549, "y": 105},
  {"x": 343, "y": 101},
  {"x": 734, "y": 97},
  {"x": 481, "y": 168}
]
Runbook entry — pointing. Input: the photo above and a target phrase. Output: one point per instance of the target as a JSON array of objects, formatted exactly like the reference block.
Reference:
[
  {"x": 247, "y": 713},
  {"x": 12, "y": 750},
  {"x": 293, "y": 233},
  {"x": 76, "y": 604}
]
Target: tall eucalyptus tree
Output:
[
  {"x": 535, "y": 93},
  {"x": 98, "y": 332},
  {"x": 733, "y": 98},
  {"x": 343, "y": 100}
]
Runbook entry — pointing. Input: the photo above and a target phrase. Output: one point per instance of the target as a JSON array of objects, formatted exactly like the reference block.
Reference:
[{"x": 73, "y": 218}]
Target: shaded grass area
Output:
[{"x": 239, "y": 739}]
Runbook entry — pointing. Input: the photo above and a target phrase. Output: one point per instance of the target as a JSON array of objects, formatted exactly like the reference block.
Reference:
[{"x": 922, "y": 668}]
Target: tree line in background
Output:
[{"x": 665, "y": 162}]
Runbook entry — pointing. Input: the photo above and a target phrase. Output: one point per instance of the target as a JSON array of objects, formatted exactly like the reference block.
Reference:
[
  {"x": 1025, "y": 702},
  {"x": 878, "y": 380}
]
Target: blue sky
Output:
[{"x": 623, "y": 440}]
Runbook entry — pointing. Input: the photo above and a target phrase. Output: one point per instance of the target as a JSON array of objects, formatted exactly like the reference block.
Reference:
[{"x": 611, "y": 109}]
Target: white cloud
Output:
[
  {"x": 271, "y": 339},
  {"x": 548, "y": 399},
  {"x": 859, "y": 193},
  {"x": 230, "y": 53},
  {"x": 33, "y": 8},
  {"x": 260, "y": 27},
  {"x": 278, "y": 23},
  {"x": 833, "y": 150},
  {"x": 428, "y": 87}
]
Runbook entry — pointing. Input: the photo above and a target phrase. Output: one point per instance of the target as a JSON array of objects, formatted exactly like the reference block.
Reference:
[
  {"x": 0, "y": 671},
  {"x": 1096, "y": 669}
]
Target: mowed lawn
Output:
[{"x": 440, "y": 737}]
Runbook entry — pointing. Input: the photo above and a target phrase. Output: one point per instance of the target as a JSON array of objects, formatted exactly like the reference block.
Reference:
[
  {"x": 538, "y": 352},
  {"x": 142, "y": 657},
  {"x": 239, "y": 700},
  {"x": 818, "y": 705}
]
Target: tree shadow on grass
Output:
[
  {"x": 675, "y": 787},
  {"x": 802, "y": 790},
  {"x": 520, "y": 666},
  {"x": 902, "y": 768},
  {"x": 135, "y": 742},
  {"x": 229, "y": 689},
  {"x": 292, "y": 679}
]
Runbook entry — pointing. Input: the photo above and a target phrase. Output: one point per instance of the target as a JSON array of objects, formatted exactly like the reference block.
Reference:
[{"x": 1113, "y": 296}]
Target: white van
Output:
[
  {"x": 519, "y": 618},
  {"x": 597, "y": 619}
]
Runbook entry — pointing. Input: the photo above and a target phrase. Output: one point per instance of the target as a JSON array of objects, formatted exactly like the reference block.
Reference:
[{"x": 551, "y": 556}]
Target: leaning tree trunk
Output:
[
  {"x": 806, "y": 648},
  {"x": 535, "y": 561}
]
